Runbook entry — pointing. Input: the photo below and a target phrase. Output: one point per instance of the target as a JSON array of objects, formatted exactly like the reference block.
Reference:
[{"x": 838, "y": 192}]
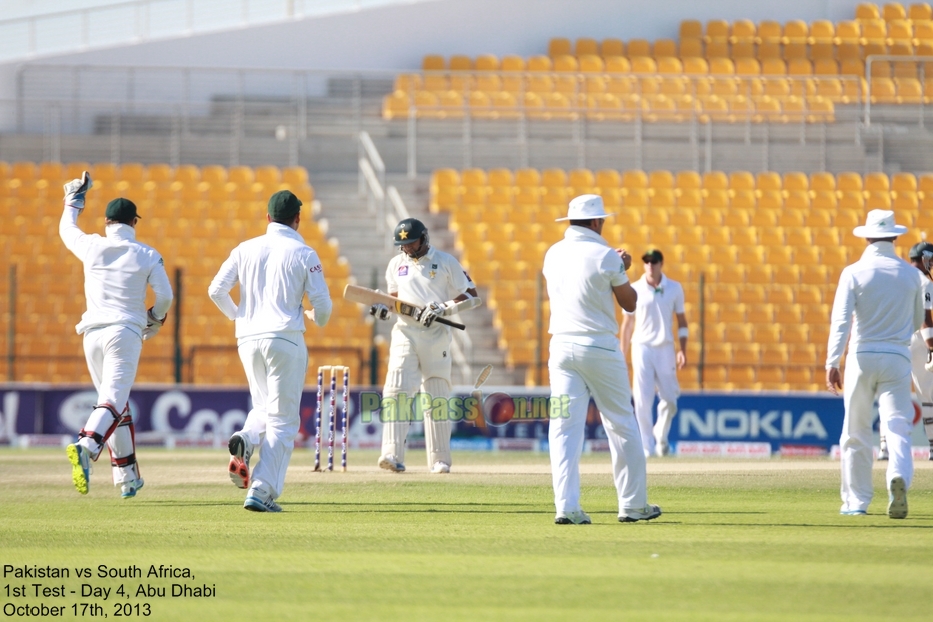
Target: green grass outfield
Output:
[{"x": 739, "y": 540}]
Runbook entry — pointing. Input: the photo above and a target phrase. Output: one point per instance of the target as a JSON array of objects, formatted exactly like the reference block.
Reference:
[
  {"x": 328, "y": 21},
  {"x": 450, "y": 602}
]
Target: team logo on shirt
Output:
[
  {"x": 162, "y": 263},
  {"x": 403, "y": 270},
  {"x": 432, "y": 274},
  {"x": 434, "y": 266},
  {"x": 926, "y": 296},
  {"x": 317, "y": 268}
]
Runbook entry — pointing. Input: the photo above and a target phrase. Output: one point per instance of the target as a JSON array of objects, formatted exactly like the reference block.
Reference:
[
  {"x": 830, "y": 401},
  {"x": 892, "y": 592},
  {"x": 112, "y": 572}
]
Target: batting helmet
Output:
[
  {"x": 409, "y": 230},
  {"x": 916, "y": 251}
]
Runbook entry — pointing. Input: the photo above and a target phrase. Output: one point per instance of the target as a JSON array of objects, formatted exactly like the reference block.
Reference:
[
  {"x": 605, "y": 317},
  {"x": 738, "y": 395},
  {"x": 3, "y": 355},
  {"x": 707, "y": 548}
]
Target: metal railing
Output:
[
  {"x": 237, "y": 116},
  {"x": 911, "y": 67}
]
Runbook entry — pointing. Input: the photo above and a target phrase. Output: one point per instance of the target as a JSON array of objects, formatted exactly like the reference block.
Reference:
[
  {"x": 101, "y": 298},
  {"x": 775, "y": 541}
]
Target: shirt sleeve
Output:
[
  {"x": 162, "y": 287},
  {"x": 840, "y": 319},
  {"x": 219, "y": 289},
  {"x": 316, "y": 289},
  {"x": 459, "y": 280},
  {"x": 919, "y": 307},
  {"x": 614, "y": 266},
  {"x": 679, "y": 299},
  {"x": 927, "y": 294},
  {"x": 77, "y": 241}
]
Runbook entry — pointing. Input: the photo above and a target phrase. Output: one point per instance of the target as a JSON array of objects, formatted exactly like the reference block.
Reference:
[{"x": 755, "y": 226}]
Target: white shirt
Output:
[
  {"x": 581, "y": 271},
  {"x": 117, "y": 270},
  {"x": 436, "y": 276},
  {"x": 927, "y": 285},
  {"x": 654, "y": 312},
  {"x": 880, "y": 301},
  {"x": 274, "y": 272}
]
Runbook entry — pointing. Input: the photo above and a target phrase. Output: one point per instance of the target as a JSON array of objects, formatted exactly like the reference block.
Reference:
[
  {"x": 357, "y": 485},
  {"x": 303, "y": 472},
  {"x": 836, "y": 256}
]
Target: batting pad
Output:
[
  {"x": 394, "y": 433},
  {"x": 437, "y": 433},
  {"x": 122, "y": 447}
]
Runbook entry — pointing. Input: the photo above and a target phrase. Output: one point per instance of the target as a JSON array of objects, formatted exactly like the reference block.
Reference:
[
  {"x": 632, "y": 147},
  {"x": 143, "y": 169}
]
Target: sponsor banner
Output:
[
  {"x": 704, "y": 449},
  {"x": 44, "y": 440},
  {"x": 514, "y": 413},
  {"x": 516, "y": 444},
  {"x": 802, "y": 451},
  {"x": 918, "y": 452}
]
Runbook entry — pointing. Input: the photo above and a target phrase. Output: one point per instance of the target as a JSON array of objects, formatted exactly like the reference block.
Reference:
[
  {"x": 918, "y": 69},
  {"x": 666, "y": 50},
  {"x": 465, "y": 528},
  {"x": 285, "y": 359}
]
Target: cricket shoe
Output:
[
  {"x": 390, "y": 463},
  {"x": 440, "y": 467},
  {"x": 128, "y": 490},
  {"x": 662, "y": 449},
  {"x": 241, "y": 450},
  {"x": 80, "y": 467},
  {"x": 897, "y": 498},
  {"x": 573, "y": 518},
  {"x": 257, "y": 503},
  {"x": 846, "y": 512},
  {"x": 883, "y": 451},
  {"x": 649, "y": 512},
  {"x": 931, "y": 453}
]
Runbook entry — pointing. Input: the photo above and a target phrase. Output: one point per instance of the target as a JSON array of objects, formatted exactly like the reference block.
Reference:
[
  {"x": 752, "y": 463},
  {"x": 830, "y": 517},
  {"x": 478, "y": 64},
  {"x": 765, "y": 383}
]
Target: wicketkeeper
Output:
[
  {"x": 117, "y": 270},
  {"x": 419, "y": 354}
]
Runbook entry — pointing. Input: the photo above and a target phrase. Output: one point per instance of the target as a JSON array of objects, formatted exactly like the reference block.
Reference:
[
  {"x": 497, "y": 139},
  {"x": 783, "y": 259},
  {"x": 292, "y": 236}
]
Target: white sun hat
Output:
[
  {"x": 879, "y": 224},
  {"x": 585, "y": 207}
]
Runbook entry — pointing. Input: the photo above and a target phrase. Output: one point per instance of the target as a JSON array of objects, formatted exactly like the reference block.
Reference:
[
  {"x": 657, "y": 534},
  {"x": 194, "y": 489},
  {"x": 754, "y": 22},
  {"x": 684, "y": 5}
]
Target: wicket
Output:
[{"x": 333, "y": 370}]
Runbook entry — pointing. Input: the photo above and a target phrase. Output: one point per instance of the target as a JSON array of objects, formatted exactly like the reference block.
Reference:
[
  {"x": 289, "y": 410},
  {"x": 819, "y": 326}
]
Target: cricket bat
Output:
[{"x": 355, "y": 293}]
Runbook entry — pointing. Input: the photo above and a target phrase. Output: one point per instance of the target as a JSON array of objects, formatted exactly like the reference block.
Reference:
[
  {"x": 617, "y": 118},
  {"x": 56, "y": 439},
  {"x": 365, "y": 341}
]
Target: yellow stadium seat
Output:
[
  {"x": 663, "y": 47},
  {"x": 690, "y": 28},
  {"x": 691, "y": 48},
  {"x": 769, "y": 32},
  {"x": 741, "y": 180},
  {"x": 716, "y": 30},
  {"x": 611, "y": 47},
  {"x": 591, "y": 64},
  {"x": 487, "y": 62},
  {"x": 893, "y": 11},
  {"x": 585, "y": 46},
  {"x": 920, "y": 11},
  {"x": 433, "y": 62},
  {"x": 565, "y": 62},
  {"x": 638, "y": 47},
  {"x": 721, "y": 67},
  {"x": 789, "y": 316},
  {"x": 558, "y": 46}
]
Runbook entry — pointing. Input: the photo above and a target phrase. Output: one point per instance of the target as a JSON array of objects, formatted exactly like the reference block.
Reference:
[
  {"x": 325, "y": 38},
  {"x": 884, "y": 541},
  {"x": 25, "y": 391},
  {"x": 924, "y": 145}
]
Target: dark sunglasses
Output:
[{"x": 653, "y": 261}]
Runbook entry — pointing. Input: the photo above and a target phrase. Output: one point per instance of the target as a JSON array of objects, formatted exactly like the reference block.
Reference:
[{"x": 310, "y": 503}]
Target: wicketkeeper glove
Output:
[
  {"x": 929, "y": 364},
  {"x": 379, "y": 311},
  {"x": 75, "y": 191},
  {"x": 153, "y": 324}
]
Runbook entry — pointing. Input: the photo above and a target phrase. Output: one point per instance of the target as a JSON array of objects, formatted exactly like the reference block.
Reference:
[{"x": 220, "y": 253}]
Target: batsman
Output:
[{"x": 419, "y": 354}]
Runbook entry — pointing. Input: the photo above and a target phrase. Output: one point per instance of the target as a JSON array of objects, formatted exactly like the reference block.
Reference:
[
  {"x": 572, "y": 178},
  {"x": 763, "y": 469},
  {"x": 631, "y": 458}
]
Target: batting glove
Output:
[
  {"x": 75, "y": 191},
  {"x": 929, "y": 364},
  {"x": 379, "y": 311},
  {"x": 429, "y": 315},
  {"x": 153, "y": 324}
]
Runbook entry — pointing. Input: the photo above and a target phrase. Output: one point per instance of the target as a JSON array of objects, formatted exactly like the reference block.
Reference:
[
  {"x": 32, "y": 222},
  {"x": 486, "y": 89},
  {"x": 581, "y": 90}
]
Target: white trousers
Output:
[
  {"x": 870, "y": 376},
  {"x": 654, "y": 370},
  {"x": 418, "y": 357},
  {"x": 923, "y": 382},
  {"x": 112, "y": 355},
  {"x": 579, "y": 372},
  {"x": 276, "y": 371}
]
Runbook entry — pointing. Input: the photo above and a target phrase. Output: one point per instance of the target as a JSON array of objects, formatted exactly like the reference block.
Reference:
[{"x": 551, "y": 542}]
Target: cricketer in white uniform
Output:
[
  {"x": 419, "y": 353},
  {"x": 877, "y": 308},
  {"x": 585, "y": 278},
  {"x": 274, "y": 271},
  {"x": 655, "y": 362},
  {"x": 117, "y": 271},
  {"x": 921, "y": 343}
]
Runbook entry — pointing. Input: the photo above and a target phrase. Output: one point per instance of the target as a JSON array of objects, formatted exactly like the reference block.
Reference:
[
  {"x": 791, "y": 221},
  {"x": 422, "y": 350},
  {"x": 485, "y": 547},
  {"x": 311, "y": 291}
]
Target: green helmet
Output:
[
  {"x": 917, "y": 250},
  {"x": 410, "y": 230}
]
